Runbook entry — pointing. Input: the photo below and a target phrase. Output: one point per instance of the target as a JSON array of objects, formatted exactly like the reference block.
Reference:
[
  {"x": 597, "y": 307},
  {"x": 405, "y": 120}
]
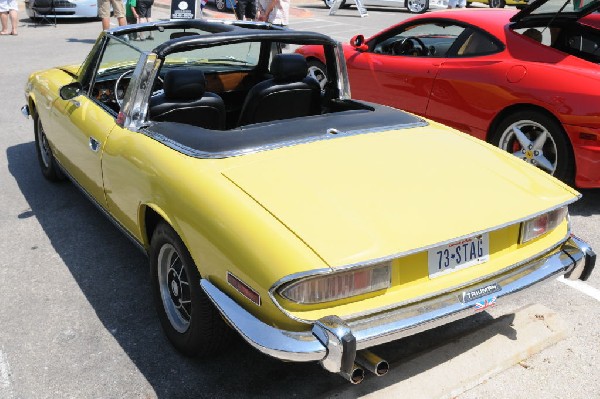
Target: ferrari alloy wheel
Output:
[
  {"x": 318, "y": 71},
  {"x": 220, "y": 4},
  {"x": 417, "y": 6},
  {"x": 48, "y": 165},
  {"x": 539, "y": 140},
  {"x": 497, "y": 3},
  {"x": 189, "y": 319}
]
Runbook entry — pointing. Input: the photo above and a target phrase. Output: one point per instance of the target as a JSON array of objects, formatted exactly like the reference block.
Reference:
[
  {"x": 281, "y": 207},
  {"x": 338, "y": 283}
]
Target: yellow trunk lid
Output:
[{"x": 369, "y": 196}]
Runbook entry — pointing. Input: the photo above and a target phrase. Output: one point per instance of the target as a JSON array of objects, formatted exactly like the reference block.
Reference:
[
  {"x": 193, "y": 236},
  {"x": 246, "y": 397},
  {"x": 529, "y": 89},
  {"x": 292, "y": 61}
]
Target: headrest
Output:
[
  {"x": 184, "y": 84},
  {"x": 533, "y": 34},
  {"x": 289, "y": 68}
]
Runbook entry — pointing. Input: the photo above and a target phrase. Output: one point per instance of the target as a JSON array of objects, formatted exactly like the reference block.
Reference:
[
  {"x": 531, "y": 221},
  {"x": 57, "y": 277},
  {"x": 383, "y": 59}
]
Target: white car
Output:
[
  {"x": 414, "y": 6},
  {"x": 69, "y": 8}
]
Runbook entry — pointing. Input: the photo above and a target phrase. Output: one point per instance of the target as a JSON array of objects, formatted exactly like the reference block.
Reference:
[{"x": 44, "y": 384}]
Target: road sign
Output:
[{"x": 183, "y": 9}]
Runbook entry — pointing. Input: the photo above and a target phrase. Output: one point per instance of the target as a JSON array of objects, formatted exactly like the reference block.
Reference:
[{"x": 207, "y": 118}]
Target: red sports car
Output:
[{"x": 527, "y": 81}]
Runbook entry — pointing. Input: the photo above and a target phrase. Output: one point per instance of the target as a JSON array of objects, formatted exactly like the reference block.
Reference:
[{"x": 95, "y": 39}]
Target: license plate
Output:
[{"x": 458, "y": 255}]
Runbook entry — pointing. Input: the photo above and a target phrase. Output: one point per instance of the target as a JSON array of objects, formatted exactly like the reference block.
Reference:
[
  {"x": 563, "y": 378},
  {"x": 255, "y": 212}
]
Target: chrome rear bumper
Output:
[{"x": 335, "y": 342}]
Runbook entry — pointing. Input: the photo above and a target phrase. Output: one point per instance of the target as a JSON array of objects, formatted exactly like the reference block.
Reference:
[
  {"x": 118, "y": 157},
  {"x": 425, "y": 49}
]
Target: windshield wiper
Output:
[
  {"x": 117, "y": 68},
  {"x": 227, "y": 59}
]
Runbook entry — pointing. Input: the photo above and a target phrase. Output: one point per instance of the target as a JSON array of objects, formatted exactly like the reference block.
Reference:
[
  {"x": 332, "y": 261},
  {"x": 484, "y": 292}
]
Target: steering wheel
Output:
[
  {"x": 120, "y": 94},
  {"x": 410, "y": 45}
]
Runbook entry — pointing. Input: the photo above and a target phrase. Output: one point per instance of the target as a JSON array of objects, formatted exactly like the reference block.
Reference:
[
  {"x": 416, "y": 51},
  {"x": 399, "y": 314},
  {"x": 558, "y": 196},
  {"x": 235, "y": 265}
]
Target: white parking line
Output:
[
  {"x": 581, "y": 287},
  {"x": 5, "y": 386}
]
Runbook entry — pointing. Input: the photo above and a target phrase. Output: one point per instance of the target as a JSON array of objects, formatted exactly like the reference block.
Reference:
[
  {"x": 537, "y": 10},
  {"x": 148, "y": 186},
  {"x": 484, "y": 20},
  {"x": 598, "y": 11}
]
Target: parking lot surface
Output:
[{"x": 77, "y": 319}]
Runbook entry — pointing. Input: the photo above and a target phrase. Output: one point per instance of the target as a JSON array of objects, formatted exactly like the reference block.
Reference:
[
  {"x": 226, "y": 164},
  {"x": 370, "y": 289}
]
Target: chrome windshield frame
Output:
[{"x": 135, "y": 104}]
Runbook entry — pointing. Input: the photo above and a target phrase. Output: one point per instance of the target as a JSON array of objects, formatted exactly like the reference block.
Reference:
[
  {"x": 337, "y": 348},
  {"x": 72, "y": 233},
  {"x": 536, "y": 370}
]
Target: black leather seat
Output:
[
  {"x": 289, "y": 94},
  {"x": 185, "y": 100}
]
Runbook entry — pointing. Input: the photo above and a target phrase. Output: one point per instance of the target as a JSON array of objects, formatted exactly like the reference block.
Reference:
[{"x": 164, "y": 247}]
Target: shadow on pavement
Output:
[
  {"x": 588, "y": 205},
  {"x": 113, "y": 276},
  {"x": 26, "y": 21}
]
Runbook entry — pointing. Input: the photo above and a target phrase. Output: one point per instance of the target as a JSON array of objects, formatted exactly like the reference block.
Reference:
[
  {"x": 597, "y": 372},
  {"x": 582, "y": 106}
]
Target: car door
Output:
[
  {"x": 401, "y": 64},
  {"x": 470, "y": 84},
  {"x": 83, "y": 123},
  {"x": 400, "y": 82},
  {"x": 85, "y": 128}
]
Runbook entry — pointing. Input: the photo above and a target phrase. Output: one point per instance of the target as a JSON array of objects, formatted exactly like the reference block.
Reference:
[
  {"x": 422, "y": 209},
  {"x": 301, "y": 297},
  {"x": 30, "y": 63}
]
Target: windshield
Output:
[
  {"x": 118, "y": 57},
  {"x": 236, "y": 56}
]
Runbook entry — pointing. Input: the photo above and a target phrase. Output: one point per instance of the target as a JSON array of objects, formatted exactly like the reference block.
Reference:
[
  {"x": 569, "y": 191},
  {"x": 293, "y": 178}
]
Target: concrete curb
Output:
[{"x": 458, "y": 366}]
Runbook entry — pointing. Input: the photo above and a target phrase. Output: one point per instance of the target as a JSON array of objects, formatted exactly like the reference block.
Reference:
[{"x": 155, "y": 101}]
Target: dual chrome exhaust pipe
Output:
[{"x": 366, "y": 360}]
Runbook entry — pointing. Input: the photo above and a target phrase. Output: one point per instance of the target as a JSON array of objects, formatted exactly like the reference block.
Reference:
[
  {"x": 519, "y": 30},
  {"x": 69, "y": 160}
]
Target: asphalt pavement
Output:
[{"x": 77, "y": 319}]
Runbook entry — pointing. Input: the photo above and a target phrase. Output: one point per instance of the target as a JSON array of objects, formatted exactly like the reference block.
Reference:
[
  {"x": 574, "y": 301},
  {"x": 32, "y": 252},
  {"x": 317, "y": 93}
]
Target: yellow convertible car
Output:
[{"x": 314, "y": 225}]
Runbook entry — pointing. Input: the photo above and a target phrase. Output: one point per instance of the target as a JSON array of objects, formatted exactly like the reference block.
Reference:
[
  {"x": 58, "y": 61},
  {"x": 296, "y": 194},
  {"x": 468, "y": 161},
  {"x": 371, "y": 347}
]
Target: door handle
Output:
[
  {"x": 94, "y": 144},
  {"x": 75, "y": 103}
]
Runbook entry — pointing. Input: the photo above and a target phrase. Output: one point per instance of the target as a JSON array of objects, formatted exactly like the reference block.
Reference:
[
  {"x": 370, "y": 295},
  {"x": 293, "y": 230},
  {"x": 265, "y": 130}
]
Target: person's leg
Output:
[
  {"x": 131, "y": 20},
  {"x": 144, "y": 12},
  {"x": 4, "y": 21},
  {"x": 141, "y": 12},
  {"x": 119, "y": 11},
  {"x": 104, "y": 13},
  {"x": 149, "y": 12},
  {"x": 240, "y": 9},
  {"x": 251, "y": 10},
  {"x": 148, "y": 19},
  {"x": 13, "y": 21}
]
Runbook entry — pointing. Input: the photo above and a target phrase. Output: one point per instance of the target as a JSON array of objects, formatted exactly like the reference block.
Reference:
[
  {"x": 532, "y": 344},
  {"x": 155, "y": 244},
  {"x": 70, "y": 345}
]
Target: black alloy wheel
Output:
[{"x": 188, "y": 317}]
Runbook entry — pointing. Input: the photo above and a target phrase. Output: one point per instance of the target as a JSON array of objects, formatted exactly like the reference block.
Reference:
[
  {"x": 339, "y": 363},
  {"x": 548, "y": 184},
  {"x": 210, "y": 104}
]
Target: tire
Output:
[
  {"x": 417, "y": 6},
  {"x": 497, "y": 3},
  {"x": 220, "y": 4},
  {"x": 188, "y": 317},
  {"x": 553, "y": 152},
  {"x": 318, "y": 71},
  {"x": 48, "y": 164},
  {"x": 329, "y": 3}
]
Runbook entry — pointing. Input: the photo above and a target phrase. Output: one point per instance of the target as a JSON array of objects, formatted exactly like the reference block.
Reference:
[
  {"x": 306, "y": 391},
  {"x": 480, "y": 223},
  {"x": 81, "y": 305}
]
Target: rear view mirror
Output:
[
  {"x": 177, "y": 35},
  {"x": 358, "y": 42}
]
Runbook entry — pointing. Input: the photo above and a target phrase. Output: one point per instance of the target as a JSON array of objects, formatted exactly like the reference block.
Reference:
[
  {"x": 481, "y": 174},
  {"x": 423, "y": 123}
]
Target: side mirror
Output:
[
  {"x": 358, "y": 42},
  {"x": 70, "y": 91}
]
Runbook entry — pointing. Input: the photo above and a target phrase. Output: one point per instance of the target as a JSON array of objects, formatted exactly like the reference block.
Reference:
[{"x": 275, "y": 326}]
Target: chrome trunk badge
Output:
[{"x": 468, "y": 296}]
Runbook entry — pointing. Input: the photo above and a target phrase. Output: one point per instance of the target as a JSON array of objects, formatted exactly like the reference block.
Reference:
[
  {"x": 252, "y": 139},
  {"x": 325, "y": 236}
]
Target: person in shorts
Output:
[
  {"x": 8, "y": 8},
  {"x": 131, "y": 16},
  {"x": 277, "y": 12},
  {"x": 104, "y": 12},
  {"x": 144, "y": 11},
  {"x": 245, "y": 8}
]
